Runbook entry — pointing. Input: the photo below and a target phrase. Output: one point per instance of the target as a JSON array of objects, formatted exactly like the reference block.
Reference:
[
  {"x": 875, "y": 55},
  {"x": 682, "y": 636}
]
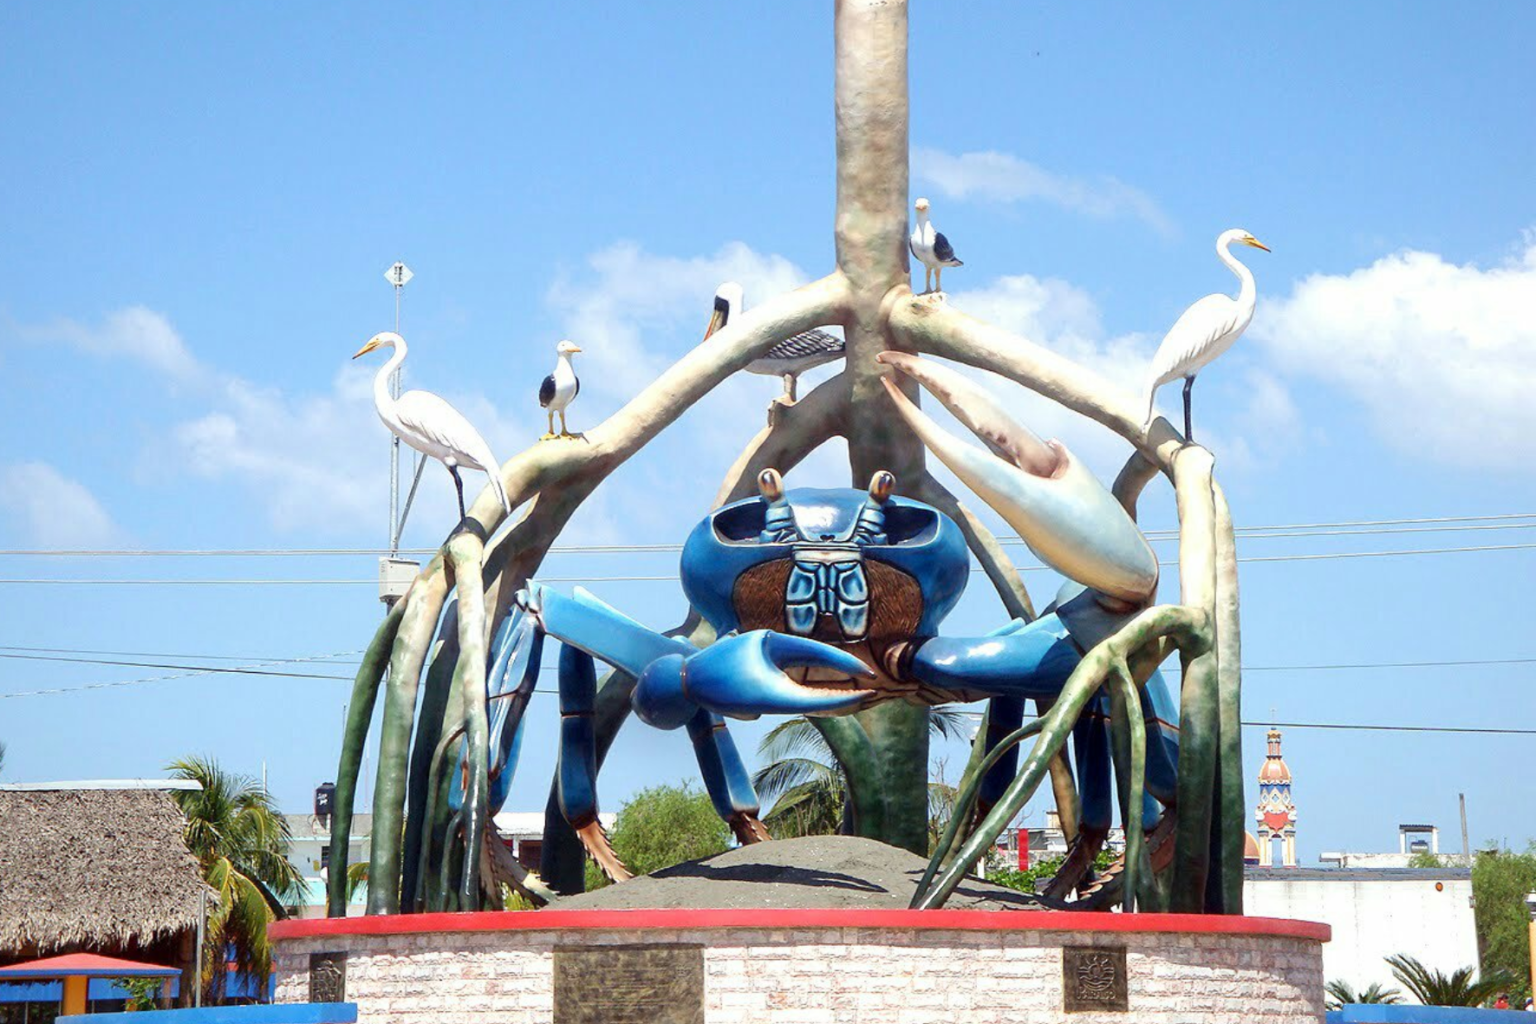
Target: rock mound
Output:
[{"x": 814, "y": 872}]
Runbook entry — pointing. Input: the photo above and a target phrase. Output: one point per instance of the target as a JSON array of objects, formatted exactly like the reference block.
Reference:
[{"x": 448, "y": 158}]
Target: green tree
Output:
[
  {"x": 806, "y": 786},
  {"x": 1459, "y": 988},
  {"x": 1500, "y": 881},
  {"x": 1029, "y": 879},
  {"x": 241, "y": 842},
  {"x": 662, "y": 826},
  {"x": 1341, "y": 994},
  {"x": 143, "y": 993}
]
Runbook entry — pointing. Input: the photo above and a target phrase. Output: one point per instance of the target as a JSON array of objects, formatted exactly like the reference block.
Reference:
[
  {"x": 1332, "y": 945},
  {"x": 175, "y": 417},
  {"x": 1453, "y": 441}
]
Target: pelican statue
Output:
[
  {"x": 560, "y": 389},
  {"x": 1206, "y": 330},
  {"x": 430, "y": 425},
  {"x": 787, "y": 359},
  {"x": 932, "y": 250}
]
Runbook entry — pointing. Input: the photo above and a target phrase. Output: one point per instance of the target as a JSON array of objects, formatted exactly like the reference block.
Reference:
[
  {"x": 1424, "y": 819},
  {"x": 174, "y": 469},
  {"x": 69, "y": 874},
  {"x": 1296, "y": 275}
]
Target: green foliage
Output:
[
  {"x": 1459, "y": 988},
  {"x": 666, "y": 825},
  {"x": 807, "y": 789},
  {"x": 143, "y": 993},
  {"x": 240, "y": 839},
  {"x": 1424, "y": 859},
  {"x": 1500, "y": 881},
  {"x": 1341, "y": 994},
  {"x": 1043, "y": 870}
]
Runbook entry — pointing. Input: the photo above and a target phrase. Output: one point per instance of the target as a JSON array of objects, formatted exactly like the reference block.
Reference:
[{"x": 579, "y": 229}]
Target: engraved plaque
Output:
[
  {"x": 641, "y": 984},
  {"x": 1093, "y": 978},
  {"x": 328, "y": 977}
]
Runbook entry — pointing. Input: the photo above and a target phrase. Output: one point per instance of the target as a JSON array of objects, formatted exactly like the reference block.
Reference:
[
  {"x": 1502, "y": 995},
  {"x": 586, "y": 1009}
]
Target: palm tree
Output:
[
  {"x": 1340, "y": 994},
  {"x": 240, "y": 839},
  {"x": 1432, "y": 988},
  {"x": 806, "y": 787}
]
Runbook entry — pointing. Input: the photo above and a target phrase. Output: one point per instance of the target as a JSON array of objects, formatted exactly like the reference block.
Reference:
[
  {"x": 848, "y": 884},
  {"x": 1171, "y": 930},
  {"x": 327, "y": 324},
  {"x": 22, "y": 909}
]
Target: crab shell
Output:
[{"x": 911, "y": 577}]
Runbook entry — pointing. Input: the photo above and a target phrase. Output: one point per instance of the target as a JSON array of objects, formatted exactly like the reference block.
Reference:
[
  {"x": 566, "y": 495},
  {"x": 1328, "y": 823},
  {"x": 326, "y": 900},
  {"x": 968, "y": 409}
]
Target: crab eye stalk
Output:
[
  {"x": 882, "y": 485},
  {"x": 770, "y": 485}
]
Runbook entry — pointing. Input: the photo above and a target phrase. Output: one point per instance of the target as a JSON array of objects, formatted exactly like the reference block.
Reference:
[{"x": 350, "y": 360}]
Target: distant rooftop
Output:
[
  {"x": 45, "y": 787},
  {"x": 1357, "y": 874}
]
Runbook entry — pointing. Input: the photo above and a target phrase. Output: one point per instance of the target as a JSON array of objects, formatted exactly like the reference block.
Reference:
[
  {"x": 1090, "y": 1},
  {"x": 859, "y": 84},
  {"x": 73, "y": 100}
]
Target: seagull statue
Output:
[
  {"x": 787, "y": 359},
  {"x": 560, "y": 389},
  {"x": 932, "y": 250},
  {"x": 1206, "y": 330},
  {"x": 430, "y": 425}
]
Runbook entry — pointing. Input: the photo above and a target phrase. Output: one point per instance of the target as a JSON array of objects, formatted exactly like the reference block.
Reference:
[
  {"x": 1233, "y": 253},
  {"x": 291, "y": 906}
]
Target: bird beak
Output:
[
  {"x": 716, "y": 321},
  {"x": 373, "y": 343},
  {"x": 1059, "y": 508},
  {"x": 575, "y": 349},
  {"x": 1250, "y": 240}
]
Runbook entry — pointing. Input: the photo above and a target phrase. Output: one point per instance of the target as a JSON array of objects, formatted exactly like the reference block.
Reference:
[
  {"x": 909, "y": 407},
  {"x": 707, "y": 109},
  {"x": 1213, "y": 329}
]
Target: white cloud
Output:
[
  {"x": 634, "y": 312},
  {"x": 52, "y": 510},
  {"x": 1059, "y": 316},
  {"x": 1442, "y": 355},
  {"x": 134, "y": 333},
  {"x": 1001, "y": 177},
  {"x": 317, "y": 461}
]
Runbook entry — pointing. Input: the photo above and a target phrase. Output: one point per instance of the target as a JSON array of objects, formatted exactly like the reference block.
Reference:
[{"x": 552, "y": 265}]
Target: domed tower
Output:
[{"x": 1276, "y": 814}]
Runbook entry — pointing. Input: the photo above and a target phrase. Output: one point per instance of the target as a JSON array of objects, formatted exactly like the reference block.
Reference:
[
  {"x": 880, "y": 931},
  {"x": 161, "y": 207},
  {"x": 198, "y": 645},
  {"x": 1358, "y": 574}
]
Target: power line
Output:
[
  {"x": 673, "y": 577},
  {"x": 200, "y": 669},
  {"x": 184, "y": 657},
  {"x": 1359, "y": 727},
  {"x": 1358, "y": 527}
]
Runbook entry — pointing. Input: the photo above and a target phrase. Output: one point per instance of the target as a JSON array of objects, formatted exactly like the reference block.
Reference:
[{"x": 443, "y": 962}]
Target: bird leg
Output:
[
  {"x": 458, "y": 485},
  {"x": 789, "y": 386},
  {"x": 564, "y": 431},
  {"x": 927, "y": 279},
  {"x": 550, "y": 433},
  {"x": 1189, "y": 429}
]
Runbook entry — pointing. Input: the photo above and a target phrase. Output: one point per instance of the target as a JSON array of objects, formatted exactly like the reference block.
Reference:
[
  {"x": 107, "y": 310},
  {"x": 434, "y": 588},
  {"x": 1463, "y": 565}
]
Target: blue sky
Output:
[{"x": 198, "y": 206}]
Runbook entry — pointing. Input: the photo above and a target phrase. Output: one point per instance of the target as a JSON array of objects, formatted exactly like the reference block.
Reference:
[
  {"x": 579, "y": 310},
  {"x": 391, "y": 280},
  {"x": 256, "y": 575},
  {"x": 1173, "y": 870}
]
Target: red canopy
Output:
[{"x": 85, "y": 965}]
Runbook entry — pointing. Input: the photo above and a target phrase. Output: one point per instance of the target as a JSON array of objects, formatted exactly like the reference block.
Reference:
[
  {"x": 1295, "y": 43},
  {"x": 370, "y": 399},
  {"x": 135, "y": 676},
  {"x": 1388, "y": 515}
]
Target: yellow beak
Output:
[
  {"x": 575, "y": 349},
  {"x": 716, "y": 321},
  {"x": 373, "y": 343},
  {"x": 1250, "y": 240}
]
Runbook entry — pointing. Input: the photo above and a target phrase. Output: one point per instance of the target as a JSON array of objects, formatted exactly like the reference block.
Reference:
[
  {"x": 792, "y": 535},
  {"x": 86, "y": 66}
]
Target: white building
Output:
[{"x": 1375, "y": 913}]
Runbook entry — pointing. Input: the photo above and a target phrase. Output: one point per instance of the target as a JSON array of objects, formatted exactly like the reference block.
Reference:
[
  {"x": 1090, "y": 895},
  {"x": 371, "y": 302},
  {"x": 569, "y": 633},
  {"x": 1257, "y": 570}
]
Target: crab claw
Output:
[
  {"x": 1062, "y": 512},
  {"x": 743, "y": 677}
]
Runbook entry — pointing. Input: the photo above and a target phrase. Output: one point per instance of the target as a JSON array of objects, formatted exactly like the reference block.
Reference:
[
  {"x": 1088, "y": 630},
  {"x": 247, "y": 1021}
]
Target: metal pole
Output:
[
  {"x": 394, "y": 447},
  {"x": 202, "y": 918},
  {"x": 1466, "y": 845}
]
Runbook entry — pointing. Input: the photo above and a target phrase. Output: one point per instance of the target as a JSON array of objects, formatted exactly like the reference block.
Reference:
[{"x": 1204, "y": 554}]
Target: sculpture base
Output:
[{"x": 801, "y": 966}]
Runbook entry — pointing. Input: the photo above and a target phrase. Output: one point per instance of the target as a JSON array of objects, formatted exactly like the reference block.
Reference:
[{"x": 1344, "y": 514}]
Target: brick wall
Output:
[{"x": 831, "y": 975}]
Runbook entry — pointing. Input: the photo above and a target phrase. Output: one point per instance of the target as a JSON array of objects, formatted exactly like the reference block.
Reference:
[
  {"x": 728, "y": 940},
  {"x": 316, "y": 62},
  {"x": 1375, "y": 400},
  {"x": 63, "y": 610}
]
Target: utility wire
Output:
[
  {"x": 673, "y": 577},
  {"x": 184, "y": 657},
  {"x": 1359, "y": 527},
  {"x": 1359, "y": 665}
]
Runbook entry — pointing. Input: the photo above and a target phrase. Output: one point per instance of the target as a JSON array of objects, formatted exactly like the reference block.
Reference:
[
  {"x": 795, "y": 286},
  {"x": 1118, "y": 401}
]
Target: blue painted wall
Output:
[{"x": 1367, "y": 1013}]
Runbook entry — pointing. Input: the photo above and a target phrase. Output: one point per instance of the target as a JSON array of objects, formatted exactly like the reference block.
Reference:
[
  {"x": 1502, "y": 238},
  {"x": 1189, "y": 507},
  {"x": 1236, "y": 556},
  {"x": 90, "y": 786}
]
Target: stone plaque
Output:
[
  {"x": 1093, "y": 978},
  {"x": 328, "y": 977},
  {"x": 640, "y": 984}
]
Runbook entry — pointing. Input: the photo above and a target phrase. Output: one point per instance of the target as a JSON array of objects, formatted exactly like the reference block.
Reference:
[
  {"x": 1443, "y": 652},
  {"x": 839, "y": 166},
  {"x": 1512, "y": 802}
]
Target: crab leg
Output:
[
  {"x": 1068, "y": 519},
  {"x": 725, "y": 776},
  {"x": 578, "y": 759}
]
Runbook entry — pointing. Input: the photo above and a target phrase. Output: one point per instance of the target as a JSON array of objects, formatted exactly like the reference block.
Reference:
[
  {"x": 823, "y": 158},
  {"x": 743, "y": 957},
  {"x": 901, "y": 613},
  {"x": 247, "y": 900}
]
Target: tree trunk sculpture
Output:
[{"x": 430, "y": 663}]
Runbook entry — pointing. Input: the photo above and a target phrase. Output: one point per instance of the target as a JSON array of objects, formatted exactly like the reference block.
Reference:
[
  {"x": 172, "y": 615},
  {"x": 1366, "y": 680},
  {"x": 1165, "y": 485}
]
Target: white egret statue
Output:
[
  {"x": 430, "y": 425},
  {"x": 1206, "y": 329},
  {"x": 932, "y": 250},
  {"x": 790, "y": 357},
  {"x": 560, "y": 389}
]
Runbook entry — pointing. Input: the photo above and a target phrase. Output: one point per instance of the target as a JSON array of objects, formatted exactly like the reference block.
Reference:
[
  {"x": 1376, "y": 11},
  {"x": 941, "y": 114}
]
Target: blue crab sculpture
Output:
[{"x": 829, "y": 601}]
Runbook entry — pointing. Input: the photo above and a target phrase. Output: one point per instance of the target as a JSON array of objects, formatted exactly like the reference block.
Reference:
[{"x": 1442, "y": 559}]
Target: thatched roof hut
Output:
[{"x": 97, "y": 867}]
